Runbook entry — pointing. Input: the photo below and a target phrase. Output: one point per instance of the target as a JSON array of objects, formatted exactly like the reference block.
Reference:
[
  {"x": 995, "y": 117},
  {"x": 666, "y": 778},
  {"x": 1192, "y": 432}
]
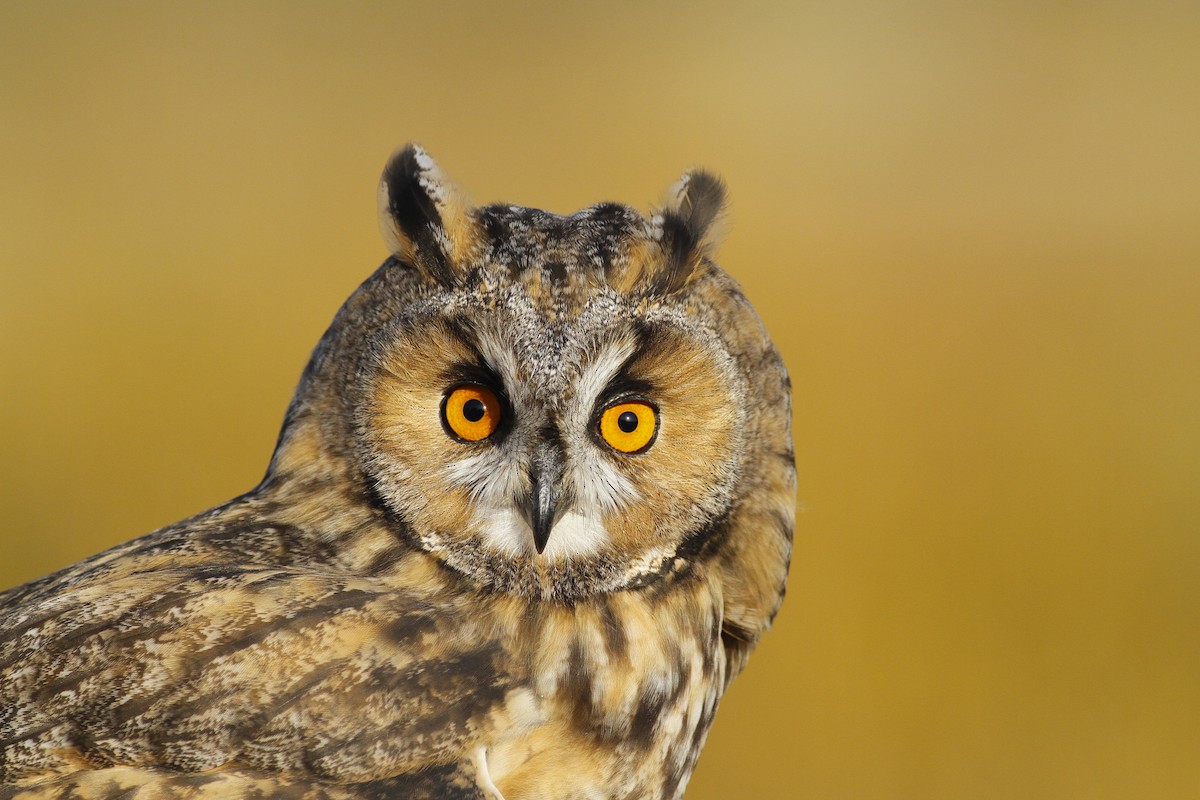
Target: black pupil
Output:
[
  {"x": 628, "y": 421},
  {"x": 474, "y": 409}
]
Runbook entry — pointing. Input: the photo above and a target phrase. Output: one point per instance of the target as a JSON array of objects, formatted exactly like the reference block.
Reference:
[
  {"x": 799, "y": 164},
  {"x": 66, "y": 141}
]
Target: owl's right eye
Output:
[{"x": 471, "y": 412}]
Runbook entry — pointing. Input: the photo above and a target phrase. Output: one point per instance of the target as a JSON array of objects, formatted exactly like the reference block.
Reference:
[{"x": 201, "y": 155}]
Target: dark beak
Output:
[
  {"x": 543, "y": 501},
  {"x": 544, "y": 504}
]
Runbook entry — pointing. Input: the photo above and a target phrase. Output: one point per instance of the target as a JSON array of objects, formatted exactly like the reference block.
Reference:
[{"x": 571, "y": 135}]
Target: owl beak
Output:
[
  {"x": 545, "y": 503},
  {"x": 546, "y": 500},
  {"x": 542, "y": 505}
]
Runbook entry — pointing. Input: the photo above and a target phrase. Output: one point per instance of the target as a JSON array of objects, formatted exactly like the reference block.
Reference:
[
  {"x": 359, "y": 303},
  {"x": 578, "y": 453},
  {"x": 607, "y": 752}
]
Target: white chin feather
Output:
[{"x": 508, "y": 533}]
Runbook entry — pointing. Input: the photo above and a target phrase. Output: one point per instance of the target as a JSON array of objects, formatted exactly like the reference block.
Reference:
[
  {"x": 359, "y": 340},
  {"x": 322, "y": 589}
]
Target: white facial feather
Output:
[
  {"x": 596, "y": 482},
  {"x": 505, "y": 530},
  {"x": 490, "y": 476},
  {"x": 600, "y": 366},
  {"x": 598, "y": 485},
  {"x": 575, "y": 535}
]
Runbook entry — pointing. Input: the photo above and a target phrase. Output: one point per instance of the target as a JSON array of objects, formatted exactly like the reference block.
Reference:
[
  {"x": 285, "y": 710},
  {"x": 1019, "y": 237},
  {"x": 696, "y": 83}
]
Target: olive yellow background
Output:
[{"x": 973, "y": 229}]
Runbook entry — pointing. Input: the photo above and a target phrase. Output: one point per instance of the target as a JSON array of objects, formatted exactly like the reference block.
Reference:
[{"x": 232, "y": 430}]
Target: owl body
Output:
[{"x": 529, "y": 512}]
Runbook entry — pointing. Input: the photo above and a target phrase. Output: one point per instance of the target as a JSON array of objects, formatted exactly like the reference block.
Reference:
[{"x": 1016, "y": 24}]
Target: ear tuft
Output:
[
  {"x": 693, "y": 219},
  {"x": 698, "y": 199},
  {"x": 421, "y": 215}
]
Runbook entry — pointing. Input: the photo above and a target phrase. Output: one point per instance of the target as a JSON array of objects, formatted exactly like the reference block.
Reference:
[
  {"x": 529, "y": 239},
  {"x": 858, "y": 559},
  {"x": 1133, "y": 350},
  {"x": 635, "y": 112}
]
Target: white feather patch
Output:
[
  {"x": 488, "y": 475},
  {"x": 506, "y": 531},
  {"x": 575, "y": 535}
]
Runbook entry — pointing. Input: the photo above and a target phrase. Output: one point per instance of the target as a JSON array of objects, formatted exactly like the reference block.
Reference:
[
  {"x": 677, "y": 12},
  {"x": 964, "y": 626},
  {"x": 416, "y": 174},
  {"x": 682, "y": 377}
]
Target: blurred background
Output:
[{"x": 973, "y": 228}]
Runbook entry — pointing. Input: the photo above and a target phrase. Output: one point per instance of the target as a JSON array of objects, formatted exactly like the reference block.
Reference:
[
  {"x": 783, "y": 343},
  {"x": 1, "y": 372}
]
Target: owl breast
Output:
[{"x": 620, "y": 707}]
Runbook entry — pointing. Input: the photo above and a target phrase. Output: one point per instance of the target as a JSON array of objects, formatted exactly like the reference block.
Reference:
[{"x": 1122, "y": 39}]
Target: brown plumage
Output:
[{"x": 402, "y": 609}]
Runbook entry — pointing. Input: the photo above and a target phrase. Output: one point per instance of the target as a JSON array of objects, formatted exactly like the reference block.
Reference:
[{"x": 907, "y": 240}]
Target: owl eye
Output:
[
  {"x": 471, "y": 412},
  {"x": 629, "y": 427}
]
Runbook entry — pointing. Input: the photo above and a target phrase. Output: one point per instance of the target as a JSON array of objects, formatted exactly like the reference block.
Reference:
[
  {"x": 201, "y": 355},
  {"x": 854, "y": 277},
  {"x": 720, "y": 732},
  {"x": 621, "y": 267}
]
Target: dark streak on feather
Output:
[
  {"x": 557, "y": 271},
  {"x": 415, "y": 213},
  {"x": 615, "y": 641}
]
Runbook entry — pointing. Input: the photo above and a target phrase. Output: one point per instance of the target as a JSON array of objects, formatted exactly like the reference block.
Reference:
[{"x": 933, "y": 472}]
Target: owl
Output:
[{"x": 530, "y": 510}]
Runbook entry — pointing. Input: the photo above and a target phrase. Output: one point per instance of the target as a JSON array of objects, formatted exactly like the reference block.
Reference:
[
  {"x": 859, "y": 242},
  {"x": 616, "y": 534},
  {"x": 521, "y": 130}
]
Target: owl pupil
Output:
[
  {"x": 473, "y": 410},
  {"x": 627, "y": 422}
]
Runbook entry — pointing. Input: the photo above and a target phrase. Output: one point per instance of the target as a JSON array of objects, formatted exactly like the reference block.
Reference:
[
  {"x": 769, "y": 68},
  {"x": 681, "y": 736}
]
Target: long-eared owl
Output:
[{"x": 529, "y": 512}]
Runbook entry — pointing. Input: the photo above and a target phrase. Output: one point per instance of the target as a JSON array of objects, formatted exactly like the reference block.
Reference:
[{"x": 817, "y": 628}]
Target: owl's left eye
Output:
[
  {"x": 629, "y": 427},
  {"x": 471, "y": 412}
]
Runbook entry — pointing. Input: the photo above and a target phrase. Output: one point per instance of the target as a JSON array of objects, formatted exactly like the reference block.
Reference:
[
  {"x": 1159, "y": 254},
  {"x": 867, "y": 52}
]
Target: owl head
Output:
[{"x": 555, "y": 406}]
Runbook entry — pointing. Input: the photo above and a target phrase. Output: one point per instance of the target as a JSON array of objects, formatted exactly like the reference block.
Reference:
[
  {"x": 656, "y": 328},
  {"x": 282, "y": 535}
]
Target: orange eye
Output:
[
  {"x": 629, "y": 427},
  {"x": 471, "y": 412}
]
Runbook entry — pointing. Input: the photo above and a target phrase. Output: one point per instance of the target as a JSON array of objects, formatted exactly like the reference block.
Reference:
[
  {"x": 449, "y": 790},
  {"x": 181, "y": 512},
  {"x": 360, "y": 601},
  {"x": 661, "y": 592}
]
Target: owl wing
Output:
[{"x": 140, "y": 672}]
